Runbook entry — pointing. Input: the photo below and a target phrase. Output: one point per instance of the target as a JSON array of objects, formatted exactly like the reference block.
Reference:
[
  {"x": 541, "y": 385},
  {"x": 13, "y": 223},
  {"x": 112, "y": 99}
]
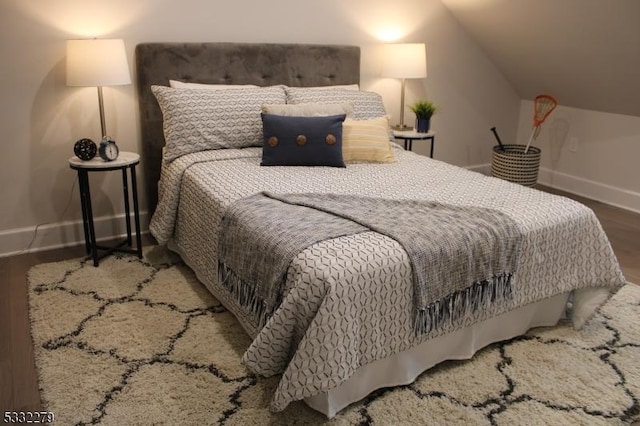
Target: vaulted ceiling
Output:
[{"x": 584, "y": 52}]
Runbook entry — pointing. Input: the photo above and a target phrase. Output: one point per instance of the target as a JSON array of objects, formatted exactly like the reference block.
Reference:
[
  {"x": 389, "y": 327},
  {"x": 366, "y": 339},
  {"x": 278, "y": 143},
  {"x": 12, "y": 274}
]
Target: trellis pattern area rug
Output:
[{"x": 143, "y": 342}]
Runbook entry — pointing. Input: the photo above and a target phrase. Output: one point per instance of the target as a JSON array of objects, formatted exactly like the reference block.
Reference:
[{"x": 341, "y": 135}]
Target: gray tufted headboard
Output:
[{"x": 229, "y": 63}]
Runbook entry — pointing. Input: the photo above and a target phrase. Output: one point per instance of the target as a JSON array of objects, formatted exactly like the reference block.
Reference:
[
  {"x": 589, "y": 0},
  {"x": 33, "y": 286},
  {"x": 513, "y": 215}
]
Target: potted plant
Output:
[{"x": 423, "y": 110}]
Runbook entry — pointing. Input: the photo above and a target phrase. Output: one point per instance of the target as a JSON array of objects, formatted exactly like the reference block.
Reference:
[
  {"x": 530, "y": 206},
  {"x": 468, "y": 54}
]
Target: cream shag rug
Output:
[{"x": 142, "y": 342}]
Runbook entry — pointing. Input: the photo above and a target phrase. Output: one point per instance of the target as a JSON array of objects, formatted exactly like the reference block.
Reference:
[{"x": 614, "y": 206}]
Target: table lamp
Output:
[
  {"x": 97, "y": 63},
  {"x": 404, "y": 60}
]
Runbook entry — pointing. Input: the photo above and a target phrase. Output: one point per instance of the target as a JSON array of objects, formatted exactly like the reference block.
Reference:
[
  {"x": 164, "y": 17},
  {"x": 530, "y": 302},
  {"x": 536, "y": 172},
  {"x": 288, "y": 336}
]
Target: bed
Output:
[{"x": 344, "y": 320}]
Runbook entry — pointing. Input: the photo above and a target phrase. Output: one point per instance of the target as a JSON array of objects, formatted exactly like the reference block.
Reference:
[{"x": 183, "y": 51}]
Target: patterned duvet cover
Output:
[{"x": 347, "y": 301}]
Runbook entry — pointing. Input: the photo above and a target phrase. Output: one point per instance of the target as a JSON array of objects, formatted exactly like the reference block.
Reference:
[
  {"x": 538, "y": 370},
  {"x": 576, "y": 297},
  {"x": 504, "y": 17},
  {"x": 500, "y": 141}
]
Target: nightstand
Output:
[
  {"x": 410, "y": 135},
  {"x": 125, "y": 161}
]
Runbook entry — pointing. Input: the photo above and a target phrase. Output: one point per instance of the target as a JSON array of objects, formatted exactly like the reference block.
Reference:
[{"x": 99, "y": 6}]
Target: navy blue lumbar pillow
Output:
[{"x": 302, "y": 141}]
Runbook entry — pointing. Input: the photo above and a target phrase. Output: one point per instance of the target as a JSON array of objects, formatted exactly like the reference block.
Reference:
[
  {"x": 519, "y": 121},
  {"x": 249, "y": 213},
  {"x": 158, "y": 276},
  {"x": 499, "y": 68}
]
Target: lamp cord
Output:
[{"x": 64, "y": 212}]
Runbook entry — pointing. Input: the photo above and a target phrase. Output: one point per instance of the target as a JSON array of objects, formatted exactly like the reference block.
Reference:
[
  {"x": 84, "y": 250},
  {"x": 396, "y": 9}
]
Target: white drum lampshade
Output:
[
  {"x": 97, "y": 63},
  {"x": 404, "y": 60}
]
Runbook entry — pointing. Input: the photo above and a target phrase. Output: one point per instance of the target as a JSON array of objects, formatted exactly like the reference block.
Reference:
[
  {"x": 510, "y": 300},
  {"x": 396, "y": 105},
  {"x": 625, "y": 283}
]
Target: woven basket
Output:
[{"x": 514, "y": 165}]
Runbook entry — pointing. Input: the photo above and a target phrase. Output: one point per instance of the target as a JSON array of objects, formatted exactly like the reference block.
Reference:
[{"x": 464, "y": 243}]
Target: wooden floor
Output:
[
  {"x": 18, "y": 377},
  {"x": 18, "y": 380}
]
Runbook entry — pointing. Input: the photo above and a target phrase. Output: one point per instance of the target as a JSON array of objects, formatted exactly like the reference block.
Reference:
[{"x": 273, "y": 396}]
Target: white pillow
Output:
[
  {"x": 176, "y": 84},
  {"x": 366, "y": 105},
  {"x": 309, "y": 109},
  {"x": 197, "y": 120},
  {"x": 336, "y": 86}
]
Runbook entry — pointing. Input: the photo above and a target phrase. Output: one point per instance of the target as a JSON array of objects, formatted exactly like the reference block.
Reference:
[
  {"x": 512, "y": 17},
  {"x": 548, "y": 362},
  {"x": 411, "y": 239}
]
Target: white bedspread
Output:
[{"x": 348, "y": 300}]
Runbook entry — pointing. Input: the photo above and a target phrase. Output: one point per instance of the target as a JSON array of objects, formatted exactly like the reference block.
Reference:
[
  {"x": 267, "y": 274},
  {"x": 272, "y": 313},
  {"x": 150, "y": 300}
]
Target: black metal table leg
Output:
[
  {"x": 127, "y": 218},
  {"x": 136, "y": 211},
  {"x": 83, "y": 204},
  {"x": 86, "y": 196}
]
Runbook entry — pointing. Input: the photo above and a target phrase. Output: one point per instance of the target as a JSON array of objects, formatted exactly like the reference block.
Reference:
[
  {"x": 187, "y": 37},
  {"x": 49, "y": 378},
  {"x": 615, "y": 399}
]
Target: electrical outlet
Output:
[{"x": 573, "y": 144}]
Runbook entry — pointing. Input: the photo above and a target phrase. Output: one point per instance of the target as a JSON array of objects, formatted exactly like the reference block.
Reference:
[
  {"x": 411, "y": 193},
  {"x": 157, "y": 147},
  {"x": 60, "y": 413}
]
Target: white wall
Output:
[
  {"x": 589, "y": 153},
  {"x": 41, "y": 118},
  {"x": 586, "y": 52}
]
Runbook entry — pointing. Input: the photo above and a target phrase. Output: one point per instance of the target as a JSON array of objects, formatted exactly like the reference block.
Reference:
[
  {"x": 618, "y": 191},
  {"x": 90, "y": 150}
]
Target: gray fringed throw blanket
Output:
[{"x": 462, "y": 258}]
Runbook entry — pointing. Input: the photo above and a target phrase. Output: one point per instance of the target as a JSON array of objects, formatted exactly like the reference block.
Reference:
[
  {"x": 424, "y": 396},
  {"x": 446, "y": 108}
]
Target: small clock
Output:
[
  {"x": 108, "y": 149},
  {"x": 85, "y": 149}
]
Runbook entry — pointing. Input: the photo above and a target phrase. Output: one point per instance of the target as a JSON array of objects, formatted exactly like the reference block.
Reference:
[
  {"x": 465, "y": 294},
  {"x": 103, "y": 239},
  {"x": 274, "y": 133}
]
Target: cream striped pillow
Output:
[{"x": 366, "y": 141}]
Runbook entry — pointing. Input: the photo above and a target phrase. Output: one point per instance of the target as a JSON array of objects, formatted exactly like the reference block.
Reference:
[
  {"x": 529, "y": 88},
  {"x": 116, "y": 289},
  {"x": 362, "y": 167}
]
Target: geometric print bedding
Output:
[
  {"x": 140, "y": 341},
  {"x": 328, "y": 299}
]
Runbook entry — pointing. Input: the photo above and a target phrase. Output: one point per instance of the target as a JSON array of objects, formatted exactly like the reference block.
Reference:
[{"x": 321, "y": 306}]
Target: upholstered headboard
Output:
[{"x": 299, "y": 65}]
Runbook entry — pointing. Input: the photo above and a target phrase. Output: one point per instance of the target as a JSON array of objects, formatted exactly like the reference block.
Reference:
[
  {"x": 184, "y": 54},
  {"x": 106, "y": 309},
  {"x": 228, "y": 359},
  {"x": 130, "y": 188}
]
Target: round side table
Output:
[
  {"x": 125, "y": 161},
  {"x": 410, "y": 135}
]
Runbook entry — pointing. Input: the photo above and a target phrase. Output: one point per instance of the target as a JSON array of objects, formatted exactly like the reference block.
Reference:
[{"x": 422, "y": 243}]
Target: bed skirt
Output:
[{"x": 403, "y": 368}]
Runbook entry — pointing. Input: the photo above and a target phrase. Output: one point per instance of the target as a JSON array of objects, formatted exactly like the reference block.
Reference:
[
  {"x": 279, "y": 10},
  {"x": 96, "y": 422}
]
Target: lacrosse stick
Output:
[{"x": 543, "y": 105}]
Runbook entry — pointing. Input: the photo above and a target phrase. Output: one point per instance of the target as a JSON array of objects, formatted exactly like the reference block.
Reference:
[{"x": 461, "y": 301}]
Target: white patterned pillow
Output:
[
  {"x": 336, "y": 86},
  {"x": 198, "y": 120},
  {"x": 310, "y": 109},
  {"x": 177, "y": 84},
  {"x": 366, "y": 105}
]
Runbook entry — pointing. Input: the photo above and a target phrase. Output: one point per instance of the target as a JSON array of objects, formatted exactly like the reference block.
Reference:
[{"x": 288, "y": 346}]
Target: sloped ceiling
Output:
[{"x": 584, "y": 52}]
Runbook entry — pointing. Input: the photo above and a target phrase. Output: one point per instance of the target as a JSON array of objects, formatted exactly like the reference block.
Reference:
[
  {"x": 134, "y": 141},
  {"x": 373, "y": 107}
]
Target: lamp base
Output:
[{"x": 402, "y": 127}]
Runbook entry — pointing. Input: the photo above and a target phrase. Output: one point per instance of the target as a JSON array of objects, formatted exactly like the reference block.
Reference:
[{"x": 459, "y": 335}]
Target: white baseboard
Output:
[
  {"x": 597, "y": 191},
  {"x": 64, "y": 234},
  {"x": 607, "y": 194},
  {"x": 485, "y": 169}
]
